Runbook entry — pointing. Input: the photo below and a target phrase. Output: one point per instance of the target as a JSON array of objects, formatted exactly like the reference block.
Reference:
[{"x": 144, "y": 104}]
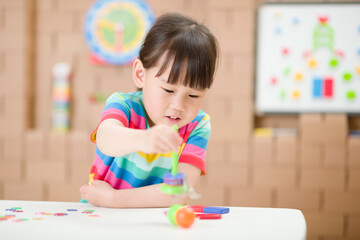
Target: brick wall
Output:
[{"x": 317, "y": 171}]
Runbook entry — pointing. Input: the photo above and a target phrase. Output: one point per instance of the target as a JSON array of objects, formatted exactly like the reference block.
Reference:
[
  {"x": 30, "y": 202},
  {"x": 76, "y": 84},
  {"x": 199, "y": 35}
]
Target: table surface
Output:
[{"x": 144, "y": 223}]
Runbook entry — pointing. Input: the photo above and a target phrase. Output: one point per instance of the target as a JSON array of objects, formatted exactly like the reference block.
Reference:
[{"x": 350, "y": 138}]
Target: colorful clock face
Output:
[{"x": 115, "y": 29}]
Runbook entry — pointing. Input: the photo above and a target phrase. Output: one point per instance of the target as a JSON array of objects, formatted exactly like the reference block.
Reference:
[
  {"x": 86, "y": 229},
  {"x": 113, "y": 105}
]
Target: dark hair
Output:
[{"x": 186, "y": 42}]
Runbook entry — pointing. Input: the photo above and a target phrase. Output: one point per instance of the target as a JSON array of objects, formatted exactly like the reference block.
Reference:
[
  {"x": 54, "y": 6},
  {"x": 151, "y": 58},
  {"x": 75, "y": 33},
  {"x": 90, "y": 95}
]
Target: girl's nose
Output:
[{"x": 178, "y": 103}]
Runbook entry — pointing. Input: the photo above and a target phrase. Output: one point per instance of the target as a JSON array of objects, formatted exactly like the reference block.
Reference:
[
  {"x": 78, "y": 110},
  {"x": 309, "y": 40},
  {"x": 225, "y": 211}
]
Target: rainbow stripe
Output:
[{"x": 139, "y": 169}]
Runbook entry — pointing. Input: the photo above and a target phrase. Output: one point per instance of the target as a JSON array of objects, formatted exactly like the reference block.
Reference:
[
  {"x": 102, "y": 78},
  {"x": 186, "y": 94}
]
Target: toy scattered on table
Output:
[
  {"x": 181, "y": 216},
  {"x": 205, "y": 212},
  {"x": 114, "y": 30},
  {"x": 61, "y": 98},
  {"x": 13, "y": 215}
]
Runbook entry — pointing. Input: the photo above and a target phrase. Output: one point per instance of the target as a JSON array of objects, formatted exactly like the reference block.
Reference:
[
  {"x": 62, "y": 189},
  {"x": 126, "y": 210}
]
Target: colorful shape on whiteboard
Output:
[
  {"x": 351, "y": 95},
  {"x": 295, "y": 21},
  {"x": 358, "y": 51},
  {"x": 273, "y": 81},
  {"x": 296, "y": 94},
  {"x": 298, "y": 76},
  {"x": 334, "y": 62},
  {"x": 328, "y": 87},
  {"x": 312, "y": 63},
  {"x": 317, "y": 87},
  {"x": 347, "y": 76},
  {"x": 340, "y": 53},
  {"x": 278, "y": 30},
  {"x": 287, "y": 71},
  {"x": 357, "y": 68},
  {"x": 306, "y": 53},
  {"x": 282, "y": 94},
  {"x": 285, "y": 51},
  {"x": 323, "y": 19}
]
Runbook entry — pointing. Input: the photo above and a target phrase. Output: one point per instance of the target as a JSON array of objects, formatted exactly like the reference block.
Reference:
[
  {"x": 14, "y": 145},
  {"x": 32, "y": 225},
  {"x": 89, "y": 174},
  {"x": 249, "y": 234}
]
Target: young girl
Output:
[{"x": 135, "y": 137}]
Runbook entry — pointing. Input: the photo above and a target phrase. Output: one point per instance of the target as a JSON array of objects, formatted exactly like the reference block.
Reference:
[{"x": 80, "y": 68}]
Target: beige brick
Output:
[
  {"x": 286, "y": 151},
  {"x": 274, "y": 176},
  {"x": 43, "y": 113},
  {"x": 342, "y": 202},
  {"x": 45, "y": 5},
  {"x": 307, "y": 200},
  {"x": 79, "y": 172},
  {"x": 217, "y": 20},
  {"x": 227, "y": 175},
  {"x": 64, "y": 192},
  {"x": 209, "y": 196},
  {"x": 10, "y": 171},
  {"x": 216, "y": 152},
  {"x": 23, "y": 191},
  {"x": 250, "y": 197},
  {"x": 242, "y": 68},
  {"x": 46, "y": 172},
  {"x": 13, "y": 148},
  {"x": 14, "y": 20},
  {"x": 12, "y": 42},
  {"x": 57, "y": 147},
  {"x": 34, "y": 145},
  {"x": 353, "y": 227},
  {"x": 78, "y": 146},
  {"x": 317, "y": 179},
  {"x": 324, "y": 224},
  {"x": 13, "y": 4},
  {"x": 242, "y": 111},
  {"x": 310, "y": 155},
  {"x": 335, "y": 128},
  {"x": 227, "y": 129},
  {"x": 354, "y": 151},
  {"x": 159, "y": 7},
  {"x": 334, "y": 155},
  {"x": 311, "y": 128},
  {"x": 71, "y": 6},
  {"x": 263, "y": 151},
  {"x": 72, "y": 43},
  {"x": 239, "y": 153},
  {"x": 55, "y": 22},
  {"x": 232, "y": 4},
  {"x": 354, "y": 180},
  {"x": 45, "y": 44}
]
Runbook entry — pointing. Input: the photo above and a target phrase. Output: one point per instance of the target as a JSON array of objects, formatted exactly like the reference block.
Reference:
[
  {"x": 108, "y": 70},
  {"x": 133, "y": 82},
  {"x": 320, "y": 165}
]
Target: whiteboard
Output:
[{"x": 308, "y": 58}]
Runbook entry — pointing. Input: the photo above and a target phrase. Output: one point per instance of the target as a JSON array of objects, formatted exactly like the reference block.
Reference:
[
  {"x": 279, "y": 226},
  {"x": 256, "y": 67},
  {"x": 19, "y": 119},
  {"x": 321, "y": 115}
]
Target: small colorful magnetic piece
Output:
[
  {"x": 205, "y": 209},
  {"x": 208, "y": 216},
  {"x": 197, "y": 208},
  {"x": 219, "y": 210}
]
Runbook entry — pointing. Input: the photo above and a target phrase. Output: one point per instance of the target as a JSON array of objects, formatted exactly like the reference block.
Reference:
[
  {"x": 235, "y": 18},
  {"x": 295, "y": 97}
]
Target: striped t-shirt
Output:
[{"x": 139, "y": 169}]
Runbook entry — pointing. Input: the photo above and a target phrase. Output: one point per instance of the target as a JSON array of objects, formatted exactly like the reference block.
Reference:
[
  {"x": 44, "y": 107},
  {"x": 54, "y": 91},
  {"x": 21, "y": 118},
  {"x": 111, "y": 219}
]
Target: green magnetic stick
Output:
[{"x": 174, "y": 156}]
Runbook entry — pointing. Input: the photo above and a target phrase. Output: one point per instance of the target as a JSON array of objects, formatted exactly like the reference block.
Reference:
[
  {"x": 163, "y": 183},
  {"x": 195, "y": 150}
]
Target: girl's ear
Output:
[{"x": 138, "y": 73}]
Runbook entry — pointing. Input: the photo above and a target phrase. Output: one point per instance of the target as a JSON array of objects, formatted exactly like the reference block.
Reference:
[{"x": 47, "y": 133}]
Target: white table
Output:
[{"x": 149, "y": 223}]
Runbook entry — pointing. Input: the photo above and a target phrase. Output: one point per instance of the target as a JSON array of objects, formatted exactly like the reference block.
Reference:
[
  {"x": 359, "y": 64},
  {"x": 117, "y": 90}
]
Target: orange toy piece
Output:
[{"x": 184, "y": 217}]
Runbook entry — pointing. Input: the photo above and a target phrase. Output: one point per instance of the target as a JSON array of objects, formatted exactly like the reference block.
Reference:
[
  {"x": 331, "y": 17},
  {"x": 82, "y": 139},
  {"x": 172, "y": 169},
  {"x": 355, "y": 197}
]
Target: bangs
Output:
[{"x": 191, "y": 63}]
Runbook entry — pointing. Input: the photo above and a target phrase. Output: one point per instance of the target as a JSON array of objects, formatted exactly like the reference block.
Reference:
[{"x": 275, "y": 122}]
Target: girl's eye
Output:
[
  {"x": 167, "y": 90},
  {"x": 193, "y": 96}
]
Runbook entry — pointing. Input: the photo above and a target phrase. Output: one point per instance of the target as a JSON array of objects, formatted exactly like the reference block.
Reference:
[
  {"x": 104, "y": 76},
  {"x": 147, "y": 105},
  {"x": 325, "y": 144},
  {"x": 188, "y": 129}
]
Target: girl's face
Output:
[{"x": 169, "y": 103}]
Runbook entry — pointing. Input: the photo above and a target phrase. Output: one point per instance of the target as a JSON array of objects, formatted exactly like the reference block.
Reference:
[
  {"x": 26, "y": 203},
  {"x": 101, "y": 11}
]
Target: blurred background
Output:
[{"x": 315, "y": 168}]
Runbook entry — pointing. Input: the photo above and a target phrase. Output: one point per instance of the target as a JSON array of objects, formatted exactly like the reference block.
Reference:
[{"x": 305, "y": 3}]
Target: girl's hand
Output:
[
  {"x": 99, "y": 193},
  {"x": 160, "y": 139}
]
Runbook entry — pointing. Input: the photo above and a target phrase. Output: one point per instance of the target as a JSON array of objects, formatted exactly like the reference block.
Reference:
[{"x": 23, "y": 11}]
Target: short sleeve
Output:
[
  {"x": 194, "y": 151},
  {"x": 115, "y": 108}
]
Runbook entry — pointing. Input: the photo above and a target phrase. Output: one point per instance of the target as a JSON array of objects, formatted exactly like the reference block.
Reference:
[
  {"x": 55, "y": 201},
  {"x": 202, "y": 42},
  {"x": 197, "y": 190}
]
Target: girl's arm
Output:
[
  {"x": 103, "y": 195},
  {"x": 113, "y": 139}
]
